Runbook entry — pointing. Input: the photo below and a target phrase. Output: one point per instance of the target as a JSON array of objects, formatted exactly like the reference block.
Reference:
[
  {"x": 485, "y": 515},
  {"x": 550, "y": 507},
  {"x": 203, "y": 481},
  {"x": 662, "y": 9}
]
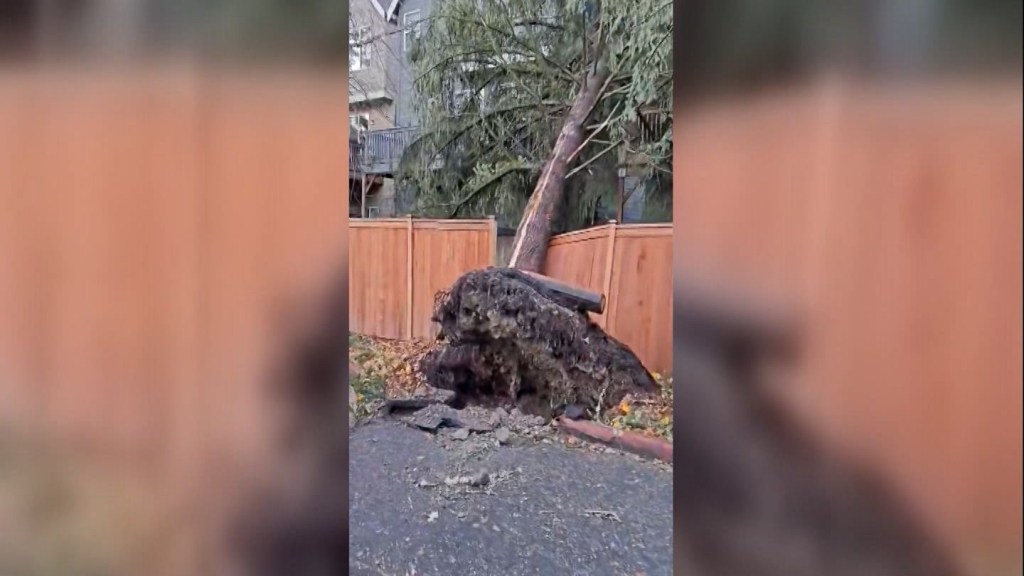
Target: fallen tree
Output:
[
  {"x": 512, "y": 334},
  {"x": 512, "y": 338}
]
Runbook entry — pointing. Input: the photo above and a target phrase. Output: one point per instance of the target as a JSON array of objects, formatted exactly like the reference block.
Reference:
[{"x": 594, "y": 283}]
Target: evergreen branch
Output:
[
  {"x": 490, "y": 181},
  {"x": 593, "y": 159},
  {"x": 511, "y": 36}
]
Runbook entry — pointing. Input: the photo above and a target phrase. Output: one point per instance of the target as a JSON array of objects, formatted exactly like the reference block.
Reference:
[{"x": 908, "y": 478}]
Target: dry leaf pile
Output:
[
  {"x": 389, "y": 365},
  {"x": 650, "y": 414}
]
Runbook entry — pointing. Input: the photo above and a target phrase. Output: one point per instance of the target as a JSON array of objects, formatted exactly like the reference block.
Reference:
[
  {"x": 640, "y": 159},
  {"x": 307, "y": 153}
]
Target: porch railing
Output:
[{"x": 379, "y": 151}]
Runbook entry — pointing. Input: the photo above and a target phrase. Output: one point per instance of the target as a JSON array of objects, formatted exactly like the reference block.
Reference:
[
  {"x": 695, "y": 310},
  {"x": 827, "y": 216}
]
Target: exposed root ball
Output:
[{"x": 511, "y": 339}]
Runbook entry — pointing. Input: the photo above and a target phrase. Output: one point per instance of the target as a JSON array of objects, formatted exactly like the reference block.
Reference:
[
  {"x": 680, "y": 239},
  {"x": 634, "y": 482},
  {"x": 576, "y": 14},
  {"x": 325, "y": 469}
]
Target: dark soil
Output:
[{"x": 511, "y": 341}]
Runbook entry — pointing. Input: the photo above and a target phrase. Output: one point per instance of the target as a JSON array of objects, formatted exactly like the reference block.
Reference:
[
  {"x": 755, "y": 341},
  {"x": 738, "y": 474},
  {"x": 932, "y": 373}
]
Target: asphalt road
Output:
[{"x": 547, "y": 509}]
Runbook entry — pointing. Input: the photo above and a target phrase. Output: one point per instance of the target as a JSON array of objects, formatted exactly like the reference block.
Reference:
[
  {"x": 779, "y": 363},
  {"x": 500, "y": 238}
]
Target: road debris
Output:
[
  {"x": 428, "y": 398},
  {"x": 480, "y": 479},
  {"x": 502, "y": 435},
  {"x": 604, "y": 514}
]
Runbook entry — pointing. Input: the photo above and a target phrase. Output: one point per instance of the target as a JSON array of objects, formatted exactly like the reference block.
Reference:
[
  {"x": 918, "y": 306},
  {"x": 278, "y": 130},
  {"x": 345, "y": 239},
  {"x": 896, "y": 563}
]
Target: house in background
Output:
[
  {"x": 383, "y": 121},
  {"x": 382, "y": 113}
]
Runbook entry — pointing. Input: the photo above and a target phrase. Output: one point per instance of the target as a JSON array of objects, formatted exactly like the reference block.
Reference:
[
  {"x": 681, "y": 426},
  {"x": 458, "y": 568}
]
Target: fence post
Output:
[
  {"x": 409, "y": 275},
  {"x": 608, "y": 270},
  {"x": 494, "y": 239}
]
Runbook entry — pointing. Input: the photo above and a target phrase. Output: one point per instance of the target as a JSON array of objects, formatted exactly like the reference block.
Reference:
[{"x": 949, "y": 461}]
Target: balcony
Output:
[
  {"x": 353, "y": 152},
  {"x": 379, "y": 151}
]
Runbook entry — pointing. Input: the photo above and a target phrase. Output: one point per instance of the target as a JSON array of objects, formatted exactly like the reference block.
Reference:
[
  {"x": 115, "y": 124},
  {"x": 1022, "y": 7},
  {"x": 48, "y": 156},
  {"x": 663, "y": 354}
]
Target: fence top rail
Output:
[
  {"x": 646, "y": 226},
  {"x": 467, "y": 224},
  {"x": 404, "y": 220},
  {"x": 657, "y": 229},
  {"x": 644, "y": 230},
  {"x": 580, "y": 236}
]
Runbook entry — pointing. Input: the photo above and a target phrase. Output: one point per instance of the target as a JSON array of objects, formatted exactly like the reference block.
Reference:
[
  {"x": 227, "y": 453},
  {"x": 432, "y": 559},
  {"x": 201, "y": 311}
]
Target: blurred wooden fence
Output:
[
  {"x": 396, "y": 266},
  {"x": 155, "y": 232},
  {"x": 892, "y": 217}
]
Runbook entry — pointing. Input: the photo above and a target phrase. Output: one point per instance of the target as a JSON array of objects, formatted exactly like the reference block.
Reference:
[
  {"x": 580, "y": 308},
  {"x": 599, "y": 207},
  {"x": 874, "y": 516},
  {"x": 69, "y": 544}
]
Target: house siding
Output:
[
  {"x": 389, "y": 73},
  {"x": 406, "y": 97},
  {"x": 374, "y": 86},
  {"x": 381, "y": 116}
]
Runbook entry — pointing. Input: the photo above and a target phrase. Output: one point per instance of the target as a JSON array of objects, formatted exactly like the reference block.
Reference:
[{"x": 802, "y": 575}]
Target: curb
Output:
[{"x": 628, "y": 441}]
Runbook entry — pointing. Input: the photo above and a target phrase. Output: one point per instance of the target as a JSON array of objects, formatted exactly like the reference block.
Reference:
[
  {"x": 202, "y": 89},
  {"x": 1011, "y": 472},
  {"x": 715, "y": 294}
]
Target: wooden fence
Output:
[
  {"x": 892, "y": 217},
  {"x": 396, "y": 266},
  {"x": 632, "y": 265}
]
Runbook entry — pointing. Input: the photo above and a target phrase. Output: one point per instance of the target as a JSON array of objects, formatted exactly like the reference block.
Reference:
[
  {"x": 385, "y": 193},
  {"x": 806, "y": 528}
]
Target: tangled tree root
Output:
[{"x": 510, "y": 340}]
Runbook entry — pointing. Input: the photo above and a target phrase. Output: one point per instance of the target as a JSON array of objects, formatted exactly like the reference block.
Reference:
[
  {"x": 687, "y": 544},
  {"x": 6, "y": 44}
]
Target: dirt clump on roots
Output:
[{"x": 510, "y": 340}]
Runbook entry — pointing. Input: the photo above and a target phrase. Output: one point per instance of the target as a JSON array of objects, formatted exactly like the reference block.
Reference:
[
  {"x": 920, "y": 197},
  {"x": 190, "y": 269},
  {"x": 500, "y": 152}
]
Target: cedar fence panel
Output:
[
  {"x": 631, "y": 264},
  {"x": 397, "y": 265}
]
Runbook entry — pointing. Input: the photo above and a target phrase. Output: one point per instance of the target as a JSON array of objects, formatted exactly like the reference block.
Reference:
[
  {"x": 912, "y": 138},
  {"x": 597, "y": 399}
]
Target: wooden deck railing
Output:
[{"x": 379, "y": 151}]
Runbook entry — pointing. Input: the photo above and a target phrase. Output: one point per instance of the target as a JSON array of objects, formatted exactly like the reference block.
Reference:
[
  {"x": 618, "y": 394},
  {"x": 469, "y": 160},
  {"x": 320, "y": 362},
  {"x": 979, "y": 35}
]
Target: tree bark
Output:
[
  {"x": 576, "y": 298},
  {"x": 534, "y": 231}
]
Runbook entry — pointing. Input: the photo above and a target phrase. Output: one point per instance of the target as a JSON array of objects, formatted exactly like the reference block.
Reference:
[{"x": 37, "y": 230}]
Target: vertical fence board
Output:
[
  {"x": 377, "y": 279},
  {"x": 640, "y": 294}
]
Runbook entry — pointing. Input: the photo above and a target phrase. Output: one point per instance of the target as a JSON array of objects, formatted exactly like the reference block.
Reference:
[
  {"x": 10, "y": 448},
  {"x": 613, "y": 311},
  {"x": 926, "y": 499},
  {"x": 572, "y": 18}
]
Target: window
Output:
[
  {"x": 359, "y": 123},
  {"x": 411, "y": 28},
  {"x": 359, "y": 44},
  {"x": 373, "y": 211}
]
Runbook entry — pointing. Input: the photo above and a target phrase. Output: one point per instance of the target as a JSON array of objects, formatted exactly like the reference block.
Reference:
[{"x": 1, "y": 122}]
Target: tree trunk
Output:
[
  {"x": 571, "y": 296},
  {"x": 531, "y": 241}
]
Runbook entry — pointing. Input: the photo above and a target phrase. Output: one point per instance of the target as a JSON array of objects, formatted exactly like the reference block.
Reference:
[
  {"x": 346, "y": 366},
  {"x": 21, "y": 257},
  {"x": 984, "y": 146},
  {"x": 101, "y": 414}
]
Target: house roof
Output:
[
  {"x": 378, "y": 7},
  {"x": 388, "y": 12},
  {"x": 392, "y": 10}
]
